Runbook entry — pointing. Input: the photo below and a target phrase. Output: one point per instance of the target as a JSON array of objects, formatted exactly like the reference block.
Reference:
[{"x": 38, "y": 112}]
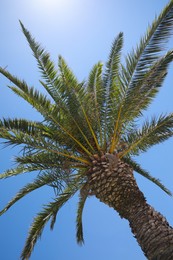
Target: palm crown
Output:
[{"x": 83, "y": 120}]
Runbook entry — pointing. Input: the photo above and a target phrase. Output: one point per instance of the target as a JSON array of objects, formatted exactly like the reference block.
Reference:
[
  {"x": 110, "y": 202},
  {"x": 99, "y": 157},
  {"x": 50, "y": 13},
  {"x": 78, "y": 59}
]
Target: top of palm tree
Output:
[{"x": 83, "y": 120}]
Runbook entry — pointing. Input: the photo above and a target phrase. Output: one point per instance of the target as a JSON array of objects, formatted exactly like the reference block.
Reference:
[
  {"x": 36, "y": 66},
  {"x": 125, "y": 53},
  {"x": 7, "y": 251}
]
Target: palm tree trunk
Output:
[{"x": 114, "y": 184}]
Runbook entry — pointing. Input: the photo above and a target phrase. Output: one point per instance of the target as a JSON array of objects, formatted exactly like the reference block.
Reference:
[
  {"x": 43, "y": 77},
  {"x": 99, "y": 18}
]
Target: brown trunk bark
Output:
[{"x": 114, "y": 184}]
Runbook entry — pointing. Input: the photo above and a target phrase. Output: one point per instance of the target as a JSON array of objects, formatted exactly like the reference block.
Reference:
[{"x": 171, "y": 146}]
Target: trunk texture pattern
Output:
[{"x": 113, "y": 183}]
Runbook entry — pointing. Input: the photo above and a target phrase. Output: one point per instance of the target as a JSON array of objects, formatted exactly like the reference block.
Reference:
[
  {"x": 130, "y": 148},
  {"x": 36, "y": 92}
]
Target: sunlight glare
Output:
[{"x": 51, "y": 4}]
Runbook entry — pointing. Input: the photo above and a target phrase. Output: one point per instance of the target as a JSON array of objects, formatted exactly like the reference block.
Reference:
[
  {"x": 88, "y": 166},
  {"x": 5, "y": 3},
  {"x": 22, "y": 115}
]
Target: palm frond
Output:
[
  {"x": 19, "y": 170},
  {"x": 39, "y": 101},
  {"x": 46, "y": 66},
  {"x": 151, "y": 133},
  {"x": 58, "y": 86},
  {"x": 15, "y": 135},
  {"x": 37, "y": 142},
  {"x": 68, "y": 116},
  {"x": 30, "y": 128},
  {"x": 71, "y": 118},
  {"x": 113, "y": 63},
  {"x": 40, "y": 181},
  {"x": 112, "y": 83},
  {"x": 71, "y": 188},
  {"x": 79, "y": 225},
  {"x": 42, "y": 158},
  {"x": 73, "y": 92},
  {"x": 138, "y": 64},
  {"x": 18, "y": 139},
  {"x": 39, "y": 223},
  {"x": 95, "y": 84},
  {"x": 142, "y": 93},
  {"x": 58, "y": 90},
  {"x": 74, "y": 98},
  {"x": 96, "y": 93},
  {"x": 137, "y": 168},
  {"x": 151, "y": 46},
  {"x": 49, "y": 212}
]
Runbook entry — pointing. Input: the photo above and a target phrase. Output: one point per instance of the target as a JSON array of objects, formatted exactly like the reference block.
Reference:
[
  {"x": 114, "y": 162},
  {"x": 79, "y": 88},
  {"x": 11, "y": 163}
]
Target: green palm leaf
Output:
[
  {"x": 138, "y": 64},
  {"x": 37, "y": 142},
  {"x": 151, "y": 46},
  {"x": 79, "y": 225},
  {"x": 137, "y": 168},
  {"x": 39, "y": 101},
  {"x": 44, "y": 107},
  {"x": 151, "y": 133},
  {"x": 112, "y": 84},
  {"x": 44, "y": 179},
  {"x": 19, "y": 170},
  {"x": 46, "y": 66},
  {"x": 75, "y": 96},
  {"x": 39, "y": 223},
  {"x": 42, "y": 158},
  {"x": 49, "y": 212},
  {"x": 145, "y": 90},
  {"x": 96, "y": 96},
  {"x": 60, "y": 87},
  {"x": 113, "y": 63}
]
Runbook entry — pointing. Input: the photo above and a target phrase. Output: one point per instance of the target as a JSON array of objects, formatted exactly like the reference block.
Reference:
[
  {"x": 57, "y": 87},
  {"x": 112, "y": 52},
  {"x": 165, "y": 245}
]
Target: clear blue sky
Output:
[{"x": 82, "y": 32}]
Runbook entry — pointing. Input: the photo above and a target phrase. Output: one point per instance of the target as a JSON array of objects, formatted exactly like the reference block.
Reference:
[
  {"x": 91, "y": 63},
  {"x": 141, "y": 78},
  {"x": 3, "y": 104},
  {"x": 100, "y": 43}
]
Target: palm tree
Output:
[{"x": 91, "y": 133}]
